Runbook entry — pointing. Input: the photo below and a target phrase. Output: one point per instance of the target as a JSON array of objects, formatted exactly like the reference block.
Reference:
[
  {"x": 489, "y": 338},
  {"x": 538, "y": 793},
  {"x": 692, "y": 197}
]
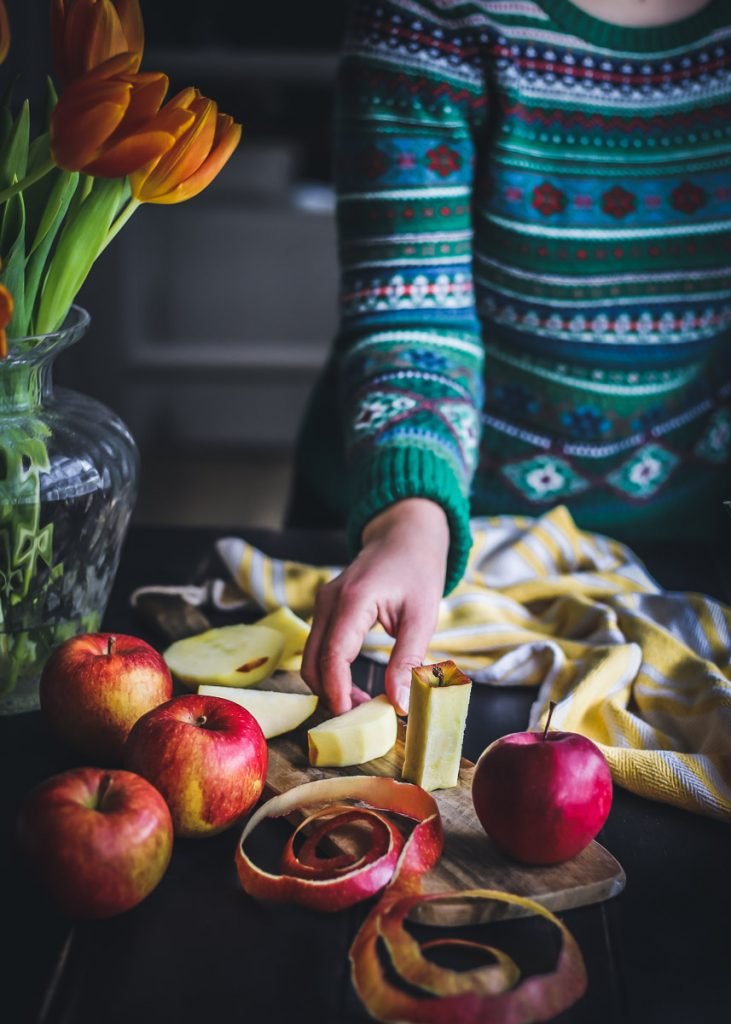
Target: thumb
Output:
[{"x": 412, "y": 640}]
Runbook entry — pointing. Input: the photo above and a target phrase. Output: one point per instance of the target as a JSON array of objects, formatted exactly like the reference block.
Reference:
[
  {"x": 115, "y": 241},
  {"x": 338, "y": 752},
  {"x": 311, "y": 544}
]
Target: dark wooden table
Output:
[{"x": 198, "y": 951}]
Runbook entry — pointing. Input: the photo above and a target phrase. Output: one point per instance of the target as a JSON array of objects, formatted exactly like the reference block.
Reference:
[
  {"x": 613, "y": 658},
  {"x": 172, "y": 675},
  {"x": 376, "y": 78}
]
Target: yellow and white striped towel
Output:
[{"x": 644, "y": 673}]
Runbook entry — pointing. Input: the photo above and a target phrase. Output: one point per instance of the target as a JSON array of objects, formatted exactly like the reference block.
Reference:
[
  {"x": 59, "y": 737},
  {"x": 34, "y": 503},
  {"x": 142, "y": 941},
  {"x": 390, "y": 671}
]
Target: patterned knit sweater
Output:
[{"x": 534, "y": 214}]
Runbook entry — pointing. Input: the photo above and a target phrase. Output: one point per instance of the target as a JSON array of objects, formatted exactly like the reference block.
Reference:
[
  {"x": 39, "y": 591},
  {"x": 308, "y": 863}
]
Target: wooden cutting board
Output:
[{"x": 470, "y": 860}]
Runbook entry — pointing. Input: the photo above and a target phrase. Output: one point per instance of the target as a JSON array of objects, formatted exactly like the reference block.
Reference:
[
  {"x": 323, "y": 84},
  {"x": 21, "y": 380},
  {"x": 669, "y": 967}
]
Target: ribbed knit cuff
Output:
[{"x": 392, "y": 474}]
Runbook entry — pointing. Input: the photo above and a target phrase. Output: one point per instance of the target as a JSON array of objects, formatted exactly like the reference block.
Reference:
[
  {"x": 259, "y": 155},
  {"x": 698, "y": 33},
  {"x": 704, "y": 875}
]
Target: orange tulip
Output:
[
  {"x": 201, "y": 149},
  {"x": 86, "y": 33},
  {"x": 109, "y": 123},
  {"x": 4, "y": 32},
  {"x": 6, "y": 315}
]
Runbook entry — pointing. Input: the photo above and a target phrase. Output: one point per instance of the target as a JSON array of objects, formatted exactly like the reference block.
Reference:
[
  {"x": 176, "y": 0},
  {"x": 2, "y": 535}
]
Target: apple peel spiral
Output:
[{"x": 492, "y": 993}]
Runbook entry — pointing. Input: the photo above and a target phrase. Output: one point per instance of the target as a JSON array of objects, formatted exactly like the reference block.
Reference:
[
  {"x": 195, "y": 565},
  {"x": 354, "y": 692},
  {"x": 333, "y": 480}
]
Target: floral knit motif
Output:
[{"x": 534, "y": 215}]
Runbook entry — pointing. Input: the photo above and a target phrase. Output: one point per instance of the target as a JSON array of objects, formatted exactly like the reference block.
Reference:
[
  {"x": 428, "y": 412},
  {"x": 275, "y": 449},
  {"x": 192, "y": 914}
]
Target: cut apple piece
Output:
[
  {"x": 440, "y": 695},
  {"x": 275, "y": 712},
  {"x": 361, "y": 734},
  {"x": 229, "y": 656},
  {"x": 294, "y": 630}
]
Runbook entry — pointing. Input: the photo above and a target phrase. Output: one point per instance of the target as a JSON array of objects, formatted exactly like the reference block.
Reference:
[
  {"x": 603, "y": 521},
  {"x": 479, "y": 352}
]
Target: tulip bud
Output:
[
  {"x": 86, "y": 33},
  {"x": 109, "y": 123},
  {"x": 200, "y": 151}
]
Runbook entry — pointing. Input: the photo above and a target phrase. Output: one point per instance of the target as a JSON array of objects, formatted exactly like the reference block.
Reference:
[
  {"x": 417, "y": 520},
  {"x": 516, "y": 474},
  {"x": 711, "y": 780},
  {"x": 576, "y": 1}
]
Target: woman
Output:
[{"x": 535, "y": 238}]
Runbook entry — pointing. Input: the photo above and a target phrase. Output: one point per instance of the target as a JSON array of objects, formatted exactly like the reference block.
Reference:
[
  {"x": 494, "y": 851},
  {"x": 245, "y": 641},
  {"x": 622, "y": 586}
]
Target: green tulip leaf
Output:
[
  {"x": 81, "y": 241},
  {"x": 14, "y": 154},
  {"x": 39, "y": 152},
  {"x": 51, "y": 222},
  {"x": 12, "y": 245},
  {"x": 59, "y": 188},
  {"x": 51, "y": 99}
]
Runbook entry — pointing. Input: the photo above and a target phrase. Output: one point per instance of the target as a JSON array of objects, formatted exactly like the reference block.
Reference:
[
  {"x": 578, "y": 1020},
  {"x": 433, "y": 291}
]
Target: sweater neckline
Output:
[{"x": 654, "y": 38}]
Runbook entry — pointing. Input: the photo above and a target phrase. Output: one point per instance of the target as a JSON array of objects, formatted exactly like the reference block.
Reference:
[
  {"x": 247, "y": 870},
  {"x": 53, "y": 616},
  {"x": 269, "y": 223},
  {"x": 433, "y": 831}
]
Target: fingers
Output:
[
  {"x": 414, "y": 633},
  {"x": 340, "y": 623},
  {"x": 358, "y": 696},
  {"x": 341, "y": 646},
  {"x": 320, "y": 622}
]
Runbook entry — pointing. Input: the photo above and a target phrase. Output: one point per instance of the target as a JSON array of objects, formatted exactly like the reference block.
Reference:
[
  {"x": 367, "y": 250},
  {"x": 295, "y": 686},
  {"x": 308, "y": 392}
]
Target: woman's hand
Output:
[{"x": 397, "y": 579}]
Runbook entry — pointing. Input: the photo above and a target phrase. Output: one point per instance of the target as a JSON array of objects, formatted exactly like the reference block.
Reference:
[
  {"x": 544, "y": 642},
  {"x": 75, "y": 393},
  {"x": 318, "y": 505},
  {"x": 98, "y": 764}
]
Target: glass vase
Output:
[{"x": 68, "y": 482}]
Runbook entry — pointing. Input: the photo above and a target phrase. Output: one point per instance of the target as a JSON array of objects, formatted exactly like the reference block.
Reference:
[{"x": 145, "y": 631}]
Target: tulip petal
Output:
[
  {"x": 189, "y": 152},
  {"x": 148, "y": 92},
  {"x": 129, "y": 154},
  {"x": 116, "y": 67},
  {"x": 86, "y": 33},
  {"x": 183, "y": 99},
  {"x": 105, "y": 38},
  {"x": 208, "y": 170},
  {"x": 78, "y": 27},
  {"x": 130, "y": 16},
  {"x": 4, "y": 32},
  {"x": 58, "y": 15},
  {"x": 175, "y": 122},
  {"x": 78, "y": 135},
  {"x": 6, "y": 307}
]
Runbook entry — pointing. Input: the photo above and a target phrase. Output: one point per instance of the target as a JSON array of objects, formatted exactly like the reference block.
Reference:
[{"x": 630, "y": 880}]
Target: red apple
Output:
[
  {"x": 206, "y": 755},
  {"x": 100, "y": 840},
  {"x": 542, "y": 796},
  {"x": 95, "y": 686}
]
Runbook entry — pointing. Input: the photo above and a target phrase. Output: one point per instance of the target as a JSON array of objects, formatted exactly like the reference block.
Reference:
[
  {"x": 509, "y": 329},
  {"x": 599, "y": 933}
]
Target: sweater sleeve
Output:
[{"x": 410, "y": 99}]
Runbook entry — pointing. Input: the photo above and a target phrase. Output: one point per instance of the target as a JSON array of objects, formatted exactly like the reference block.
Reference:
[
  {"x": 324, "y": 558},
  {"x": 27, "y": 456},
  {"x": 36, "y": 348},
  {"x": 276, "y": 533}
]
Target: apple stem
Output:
[
  {"x": 438, "y": 673},
  {"x": 201, "y": 720},
  {"x": 551, "y": 706},
  {"x": 111, "y": 644}
]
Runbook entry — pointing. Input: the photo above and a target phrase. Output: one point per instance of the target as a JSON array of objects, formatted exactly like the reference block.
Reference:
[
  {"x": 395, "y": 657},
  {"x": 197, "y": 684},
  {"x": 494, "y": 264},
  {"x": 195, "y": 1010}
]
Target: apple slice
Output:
[
  {"x": 275, "y": 712},
  {"x": 438, "y": 704},
  {"x": 228, "y": 656},
  {"x": 361, "y": 734},
  {"x": 294, "y": 630}
]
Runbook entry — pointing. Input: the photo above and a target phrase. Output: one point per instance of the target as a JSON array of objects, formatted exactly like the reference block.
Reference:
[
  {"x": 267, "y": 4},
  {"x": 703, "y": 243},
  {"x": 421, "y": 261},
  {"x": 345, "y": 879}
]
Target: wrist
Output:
[{"x": 421, "y": 514}]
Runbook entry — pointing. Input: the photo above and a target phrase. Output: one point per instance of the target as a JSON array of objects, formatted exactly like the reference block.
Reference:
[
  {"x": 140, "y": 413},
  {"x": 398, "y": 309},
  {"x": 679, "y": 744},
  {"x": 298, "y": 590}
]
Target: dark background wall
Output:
[{"x": 211, "y": 319}]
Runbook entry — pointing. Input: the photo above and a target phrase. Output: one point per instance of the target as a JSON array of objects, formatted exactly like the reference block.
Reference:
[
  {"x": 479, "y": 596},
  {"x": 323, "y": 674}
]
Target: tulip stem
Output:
[
  {"x": 30, "y": 179},
  {"x": 119, "y": 223}
]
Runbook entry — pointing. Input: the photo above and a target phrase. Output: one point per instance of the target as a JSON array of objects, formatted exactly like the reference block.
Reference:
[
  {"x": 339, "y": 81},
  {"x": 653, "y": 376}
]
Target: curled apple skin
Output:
[{"x": 542, "y": 799}]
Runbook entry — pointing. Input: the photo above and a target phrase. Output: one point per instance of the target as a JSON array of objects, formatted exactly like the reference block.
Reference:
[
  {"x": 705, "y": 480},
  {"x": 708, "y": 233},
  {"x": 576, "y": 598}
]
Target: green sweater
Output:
[{"x": 534, "y": 212}]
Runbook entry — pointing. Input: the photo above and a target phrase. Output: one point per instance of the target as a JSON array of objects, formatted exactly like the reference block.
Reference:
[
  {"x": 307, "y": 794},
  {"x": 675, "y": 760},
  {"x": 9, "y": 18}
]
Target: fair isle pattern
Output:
[
  {"x": 534, "y": 214},
  {"x": 640, "y": 671}
]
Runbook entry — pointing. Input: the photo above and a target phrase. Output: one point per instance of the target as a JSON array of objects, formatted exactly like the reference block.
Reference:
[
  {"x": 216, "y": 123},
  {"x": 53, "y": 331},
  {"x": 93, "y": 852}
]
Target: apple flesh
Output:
[
  {"x": 275, "y": 712},
  {"x": 226, "y": 656},
  {"x": 294, "y": 632},
  {"x": 440, "y": 696},
  {"x": 542, "y": 796},
  {"x": 207, "y": 756},
  {"x": 100, "y": 840},
  {"x": 362, "y": 734},
  {"x": 95, "y": 686}
]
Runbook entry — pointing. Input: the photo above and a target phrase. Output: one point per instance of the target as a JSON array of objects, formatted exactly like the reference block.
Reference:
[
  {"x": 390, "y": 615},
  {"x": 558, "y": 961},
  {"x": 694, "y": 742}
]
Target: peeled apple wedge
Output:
[
  {"x": 294, "y": 631},
  {"x": 276, "y": 713},
  {"x": 361, "y": 734},
  {"x": 440, "y": 695},
  {"x": 228, "y": 656}
]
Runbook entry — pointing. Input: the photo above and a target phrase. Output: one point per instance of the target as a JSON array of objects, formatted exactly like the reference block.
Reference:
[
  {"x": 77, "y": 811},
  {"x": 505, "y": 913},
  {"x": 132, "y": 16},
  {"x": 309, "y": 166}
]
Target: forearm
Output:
[{"x": 411, "y": 354}]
